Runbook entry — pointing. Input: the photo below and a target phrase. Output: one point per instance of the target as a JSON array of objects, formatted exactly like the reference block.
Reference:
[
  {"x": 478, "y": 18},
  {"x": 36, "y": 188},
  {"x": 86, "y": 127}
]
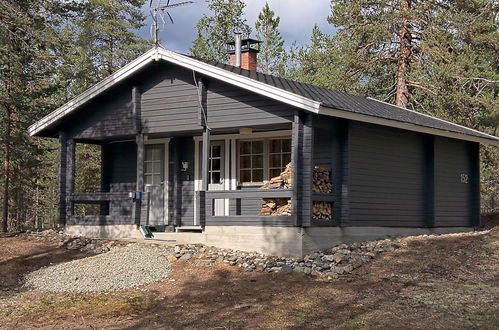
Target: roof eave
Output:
[{"x": 490, "y": 140}]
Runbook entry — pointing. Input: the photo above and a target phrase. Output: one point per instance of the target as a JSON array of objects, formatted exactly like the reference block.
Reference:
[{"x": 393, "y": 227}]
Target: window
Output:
[
  {"x": 152, "y": 164},
  {"x": 261, "y": 160},
  {"x": 251, "y": 161},
  {"x": 279, "y": 156}
]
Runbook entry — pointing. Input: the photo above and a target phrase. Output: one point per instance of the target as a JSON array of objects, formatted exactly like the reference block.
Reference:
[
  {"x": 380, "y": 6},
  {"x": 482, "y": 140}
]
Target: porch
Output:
[{"x": 187, "y": 182}]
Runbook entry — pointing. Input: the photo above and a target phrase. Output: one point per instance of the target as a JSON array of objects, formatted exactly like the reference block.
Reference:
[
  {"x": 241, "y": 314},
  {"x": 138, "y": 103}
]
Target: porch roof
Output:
[{"x": 311, "y": 98}]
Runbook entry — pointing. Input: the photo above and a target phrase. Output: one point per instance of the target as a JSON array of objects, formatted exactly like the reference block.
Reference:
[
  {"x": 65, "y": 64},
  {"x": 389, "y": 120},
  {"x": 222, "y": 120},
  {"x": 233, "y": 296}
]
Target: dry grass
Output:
[{"x": 444, "y": 282}]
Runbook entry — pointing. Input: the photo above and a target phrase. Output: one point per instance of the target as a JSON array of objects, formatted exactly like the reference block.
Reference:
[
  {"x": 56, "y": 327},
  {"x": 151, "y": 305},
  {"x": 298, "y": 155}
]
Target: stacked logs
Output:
[
  {"x": 322, "y": 184},
  {"x": 322, "y": 210},
  {"x": 322, "y": 180},
  {"x": 282, "y": 206},
  {"x": 278, "y": 206}
]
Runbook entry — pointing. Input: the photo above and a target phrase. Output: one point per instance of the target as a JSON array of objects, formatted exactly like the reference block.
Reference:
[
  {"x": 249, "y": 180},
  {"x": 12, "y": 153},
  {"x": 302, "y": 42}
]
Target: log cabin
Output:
[{"x": 187, "y": 145}]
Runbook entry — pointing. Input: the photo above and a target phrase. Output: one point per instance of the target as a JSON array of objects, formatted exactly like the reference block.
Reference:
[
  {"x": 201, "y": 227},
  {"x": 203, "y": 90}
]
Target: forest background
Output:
[{"x": 438, "y": 57}]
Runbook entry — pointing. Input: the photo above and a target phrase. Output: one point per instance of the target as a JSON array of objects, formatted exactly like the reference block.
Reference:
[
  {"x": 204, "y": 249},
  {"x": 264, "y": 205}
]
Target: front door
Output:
[
  {"x": 216, "y": 173},
  {"x": 154, "y": 178}
]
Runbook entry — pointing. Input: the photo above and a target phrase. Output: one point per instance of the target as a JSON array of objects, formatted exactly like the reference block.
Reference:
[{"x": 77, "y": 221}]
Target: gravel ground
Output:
[{"x": 120, "y": 268}]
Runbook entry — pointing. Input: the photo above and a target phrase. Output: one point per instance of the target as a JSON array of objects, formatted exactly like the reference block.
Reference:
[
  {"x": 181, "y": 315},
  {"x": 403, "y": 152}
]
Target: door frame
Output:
[{"x": 166, "y": 148}]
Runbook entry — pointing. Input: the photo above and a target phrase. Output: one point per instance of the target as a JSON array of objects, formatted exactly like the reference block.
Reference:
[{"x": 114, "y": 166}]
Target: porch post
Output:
[
  {"x": 66, "y": 176},
  {"x": 137, "y": 206},
  {"x": 205, "y": 158},
  {"x": 296, "y": 138},
  {"x": 307, "y": 153}
]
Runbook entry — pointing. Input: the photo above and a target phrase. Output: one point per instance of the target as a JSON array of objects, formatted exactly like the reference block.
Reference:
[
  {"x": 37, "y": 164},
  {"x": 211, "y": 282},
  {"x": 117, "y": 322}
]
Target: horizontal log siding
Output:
[
  {"x": 184, "y": 199},
  {"x": 121, "y": 174},
  {"x": 107, "y": 116},
  {"x": 386, "y": 177},
  {"x": 453, "y": 199},
  {"x": 230, "y": 106},
  {"x": 169, "y": 101},
  {"x": 327, "y": 153}
]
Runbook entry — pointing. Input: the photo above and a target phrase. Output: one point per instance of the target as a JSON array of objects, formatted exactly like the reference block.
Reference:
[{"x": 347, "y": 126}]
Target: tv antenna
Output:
[{"x": 159, "y": 8}]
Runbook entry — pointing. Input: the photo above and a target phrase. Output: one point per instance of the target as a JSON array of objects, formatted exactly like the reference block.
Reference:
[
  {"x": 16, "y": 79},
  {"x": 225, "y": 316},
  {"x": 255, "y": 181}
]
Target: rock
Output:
[
  {"x": 287, "y": 268},
  {"x": 186, "y": 256},
  {"x": 203, "y": 263},
  {"x": 171, "y": 258}
]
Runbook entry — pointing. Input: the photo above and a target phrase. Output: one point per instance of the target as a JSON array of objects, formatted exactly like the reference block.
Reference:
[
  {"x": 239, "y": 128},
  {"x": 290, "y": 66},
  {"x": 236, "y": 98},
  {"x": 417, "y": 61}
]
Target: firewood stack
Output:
[
  {"x": 322, "y": 210},
  {"x": 278, "y": 206},
  {"x": 322, "y": 180},
  {"x": 322, "y": 184}
]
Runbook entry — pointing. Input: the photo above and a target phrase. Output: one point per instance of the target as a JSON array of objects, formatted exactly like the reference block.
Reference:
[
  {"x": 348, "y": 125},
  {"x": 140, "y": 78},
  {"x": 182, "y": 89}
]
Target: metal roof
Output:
[{"x": 312, "y": 98}]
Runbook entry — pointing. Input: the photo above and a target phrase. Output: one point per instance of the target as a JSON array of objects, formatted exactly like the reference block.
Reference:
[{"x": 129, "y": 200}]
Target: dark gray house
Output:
[{"x": 187, "y": 144}]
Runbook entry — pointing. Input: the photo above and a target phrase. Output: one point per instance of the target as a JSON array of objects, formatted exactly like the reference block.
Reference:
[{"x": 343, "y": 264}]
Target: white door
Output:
[
  {"x": 216, "y": 173},
  {"x": 154, "y": 183}
]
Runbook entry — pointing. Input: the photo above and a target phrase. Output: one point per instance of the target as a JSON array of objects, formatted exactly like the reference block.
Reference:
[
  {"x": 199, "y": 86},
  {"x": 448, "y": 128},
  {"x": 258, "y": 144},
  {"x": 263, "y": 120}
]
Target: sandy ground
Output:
[{"x": 444, "y": 282}]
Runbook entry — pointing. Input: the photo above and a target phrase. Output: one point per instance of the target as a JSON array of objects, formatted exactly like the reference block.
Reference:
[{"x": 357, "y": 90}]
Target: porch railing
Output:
[
  {"x": 207, "y": 216},
  {"x": 103, "y": 199}
]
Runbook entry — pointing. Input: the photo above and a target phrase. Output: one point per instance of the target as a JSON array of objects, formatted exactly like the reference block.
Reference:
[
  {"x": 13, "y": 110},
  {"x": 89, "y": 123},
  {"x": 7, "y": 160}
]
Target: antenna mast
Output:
[{"x": 162, "y": 9}]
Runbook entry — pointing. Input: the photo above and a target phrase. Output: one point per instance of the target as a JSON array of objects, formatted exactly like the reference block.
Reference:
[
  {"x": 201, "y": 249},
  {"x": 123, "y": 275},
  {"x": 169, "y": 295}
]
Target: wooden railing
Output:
[
  {"x": 102, "y": 198},
  {"x": 207, "y": 200}
]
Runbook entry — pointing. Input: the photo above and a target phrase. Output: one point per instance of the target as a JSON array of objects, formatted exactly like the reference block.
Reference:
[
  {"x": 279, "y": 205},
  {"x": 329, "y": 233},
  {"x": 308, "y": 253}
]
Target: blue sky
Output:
[{"x": 297, "y": 20}]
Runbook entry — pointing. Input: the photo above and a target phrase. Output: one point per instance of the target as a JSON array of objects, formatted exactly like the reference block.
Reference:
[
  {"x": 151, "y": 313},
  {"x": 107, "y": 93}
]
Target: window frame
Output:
[
  {"x": 266, "y": 159},
  {"x": 161, "y": 172}
]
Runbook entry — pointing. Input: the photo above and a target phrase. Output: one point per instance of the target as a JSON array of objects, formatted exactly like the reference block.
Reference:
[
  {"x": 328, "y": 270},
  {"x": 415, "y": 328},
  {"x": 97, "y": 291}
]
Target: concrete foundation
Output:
[
  {"x": 105, "y": 231},
  {"x": 280, "y": 241}
]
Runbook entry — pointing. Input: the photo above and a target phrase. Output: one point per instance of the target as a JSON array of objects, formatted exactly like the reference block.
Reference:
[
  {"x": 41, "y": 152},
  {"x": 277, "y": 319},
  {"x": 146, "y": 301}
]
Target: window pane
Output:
[
  {"x": 257, "y": 147},
  {"x": 156, "y": 153},
  {"x": 216, "y": 151},
  {"x": 148, "y": 179},
  {"x": 257, "y": 161},
  {"x": 245, "y": 147},
  {"x": 215, "y": 177},
  {"x": 275, "y": 172},
  {"x": 215, "y": 165},
  {"x": 245, "y": 175},
  {"x": 156, "y": 179},
  {"x": 286, "y": 145},
  {"x": 245, "y": 162},
  {"x": 148, "y": 167},
  {"x": 275, "y": 160},
  {"x": 156, "y": 167},
  {"x": 275, "y": 146},
  {"x": 257, "y": 176},
  {"x": 286, "y": 159}
]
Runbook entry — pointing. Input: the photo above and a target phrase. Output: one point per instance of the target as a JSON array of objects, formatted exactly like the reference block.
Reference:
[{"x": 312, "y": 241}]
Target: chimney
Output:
[{"x": 243, "y": 52}]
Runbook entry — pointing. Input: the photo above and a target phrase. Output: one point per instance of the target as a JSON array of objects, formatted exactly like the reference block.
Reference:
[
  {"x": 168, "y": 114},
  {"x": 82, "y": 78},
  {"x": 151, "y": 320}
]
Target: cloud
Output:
[{"x": 297, "y": 20}]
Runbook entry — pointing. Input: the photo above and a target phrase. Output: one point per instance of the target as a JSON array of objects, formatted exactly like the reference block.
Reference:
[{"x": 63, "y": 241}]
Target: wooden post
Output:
[
  {"x": 205, "y": 158},
  {"x": 307, "y": 154},
  {"x": 140, "y": 179},
  {"x": 344, "y": 180},
  {"x": 66, "y": 177},
  {"x": 296, "y": 146},
  {"x": 430, "y": 181},
  {"x": 475, "y": 184},
  {"x": 105, "y": 167}
]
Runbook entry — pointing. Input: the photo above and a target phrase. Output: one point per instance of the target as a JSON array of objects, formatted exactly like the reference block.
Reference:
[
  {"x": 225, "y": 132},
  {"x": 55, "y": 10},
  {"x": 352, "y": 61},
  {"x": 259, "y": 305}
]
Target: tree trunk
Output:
[
  {"x": 404, "y": 60},
  {"x": 6, "y": 170}
]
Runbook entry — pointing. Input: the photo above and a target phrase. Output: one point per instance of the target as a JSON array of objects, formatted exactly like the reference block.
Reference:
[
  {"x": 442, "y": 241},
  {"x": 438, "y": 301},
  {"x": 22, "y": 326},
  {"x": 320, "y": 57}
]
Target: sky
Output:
[{"x": 297, "y": 20}]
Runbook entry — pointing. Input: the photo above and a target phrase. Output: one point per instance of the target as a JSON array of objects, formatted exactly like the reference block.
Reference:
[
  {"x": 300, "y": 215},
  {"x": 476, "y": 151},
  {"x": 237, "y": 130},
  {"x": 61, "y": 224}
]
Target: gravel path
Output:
[{"x": 118, "y": 269}]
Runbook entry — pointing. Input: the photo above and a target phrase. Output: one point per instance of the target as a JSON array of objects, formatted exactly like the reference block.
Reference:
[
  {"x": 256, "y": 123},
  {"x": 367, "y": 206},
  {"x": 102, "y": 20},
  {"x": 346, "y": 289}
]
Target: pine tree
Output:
[
  {"x": 216, "y": 30},
  {"x": 272, "y": 57},
  {"x": 28, "y": 38},
  {"x": 105, "y": 37}
]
